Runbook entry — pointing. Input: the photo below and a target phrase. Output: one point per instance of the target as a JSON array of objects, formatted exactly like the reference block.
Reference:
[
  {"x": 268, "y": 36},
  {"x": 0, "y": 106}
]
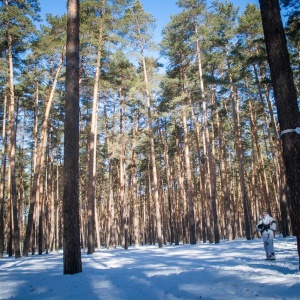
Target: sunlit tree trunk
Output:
[
  {"x": 153, "y": 158},
  {"x": 135, "y": 199},
  {"x": 189, "y": 192},
  {"x": 240, "y": 158},
  {"x": 201, "y": 169},
  {"x": 93, "y": 149},
  {"x": 2, "y": 182},
  {"x": 183, "y": 214},
  {"x": 111, "y": 231},
  {"x": 21, "y": 194},
  {"x": 12, "y": 152},
  {"x": 57, "y": 210},
  {"x": 224, "y": 177},
  {"x": 34, "y": 158},
  {"x": 40, "y": 161},
  {"x": 207, "y": 143},
  {"x": 41, "y": 227},
  {"x": 187, "y": 162},
  {"x": 240, "y": 154},
  {"x": 123, "y": 199},
  {"x": 170, "y": 197},
  {"x": 97, "y": 227},
  {"x": 177, "y": 212},
  {"x": 52, "y": 206}
]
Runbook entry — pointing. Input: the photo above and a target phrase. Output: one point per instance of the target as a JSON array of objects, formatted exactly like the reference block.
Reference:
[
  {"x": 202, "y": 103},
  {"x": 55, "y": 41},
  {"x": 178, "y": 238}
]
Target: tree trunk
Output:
[
  {"x": 286, "y": 102},
  {"x": 21, "y": 195},
  {"x": 177, "y": 212},
  {"x": 224, "y": 178},
  {"x": 57, "y": 213},
  {"x": 2, "y": 182},
  {"x": 40, "y": 161},
  {"x": 93, "y": 149},
  {"x": 183, "y": 216},
  {"x": 41, "y": 227},
  {"x": 12, "y": 151},
  {"x": 213, "y": 185},
  {"x": 136, "y": 222},
  {"x": 97, "y": 228},
  {"x": 153, "y": 158},
  {"x": 260, "y": 163},
  {"x": 206, "y": 142},
  {"x": 200, "y": 156},
  {"x": 9, "y": 214},
  {"x": 240, "y": 158},
  {"x": 187, "y": 160},
  {"x": 123, "y": 199},
  {"x": 189, "y": 184},
  {"x": 71, "y": 243},
  {"x": 279, "y": 169},
  {"x": 111, "y": 224},
  {"x": 172, "y": 223},
  {"x": 111, "y": 231},
  {"x": 52, "y": 207}
]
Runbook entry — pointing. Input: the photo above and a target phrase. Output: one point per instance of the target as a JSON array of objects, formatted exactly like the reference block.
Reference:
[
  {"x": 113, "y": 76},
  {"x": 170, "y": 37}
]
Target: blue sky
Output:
[{"x": 161, "y": 10}]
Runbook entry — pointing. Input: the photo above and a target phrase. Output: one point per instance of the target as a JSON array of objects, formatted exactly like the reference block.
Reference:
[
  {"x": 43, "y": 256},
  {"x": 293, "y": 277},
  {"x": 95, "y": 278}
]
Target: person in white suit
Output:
[{"x": 267, "y": 226}]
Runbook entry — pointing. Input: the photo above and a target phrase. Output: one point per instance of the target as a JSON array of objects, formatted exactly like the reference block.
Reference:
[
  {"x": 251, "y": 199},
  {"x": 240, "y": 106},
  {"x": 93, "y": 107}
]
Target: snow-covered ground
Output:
[{"x": 226, "y": 271}]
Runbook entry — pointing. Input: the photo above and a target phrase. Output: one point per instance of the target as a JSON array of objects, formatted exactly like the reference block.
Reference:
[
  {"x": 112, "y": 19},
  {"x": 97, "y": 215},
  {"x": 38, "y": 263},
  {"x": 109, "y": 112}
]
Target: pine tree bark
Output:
[
  {"x": 123, "y": 199},
  {"x": 286, "y": 102},
  {"x": 52, "y": 206},
  {"x": 183, "y": 216},
  {"x": 10, "y": 247},
  {"x": 279, "y": 169},
  {"x": 21, "y": 194},
  {"x": 111, "y": 230},
  {"x": 177, "y": 212},
  {"x": 2, "y": 182},
  {"x": 57, "y": 211},
  {"x": 12, "y": 151},
  {"x": 189, "y": 192},
  {"x": 172, "y": 223},
  {"x": 71, "y": 243},
  {"x": 133, "y": 180},
  {"x": 41, "y": 227},
  {"x": 93, "y": 148},
  {"x": 97, "y": 226}
]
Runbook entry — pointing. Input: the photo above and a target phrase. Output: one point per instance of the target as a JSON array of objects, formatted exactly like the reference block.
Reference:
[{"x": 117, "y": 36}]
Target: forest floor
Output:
[{"x": 227, "y": 271}]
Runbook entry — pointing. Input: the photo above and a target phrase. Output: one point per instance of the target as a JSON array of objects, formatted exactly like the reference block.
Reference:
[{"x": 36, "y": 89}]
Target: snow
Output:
[{"x": 229, "y": 270}]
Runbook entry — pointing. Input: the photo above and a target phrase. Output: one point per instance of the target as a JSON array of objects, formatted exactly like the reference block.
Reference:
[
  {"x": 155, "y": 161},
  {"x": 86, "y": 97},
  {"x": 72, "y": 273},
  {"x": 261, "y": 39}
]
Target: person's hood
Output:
[{"x": 267, "y": 218}]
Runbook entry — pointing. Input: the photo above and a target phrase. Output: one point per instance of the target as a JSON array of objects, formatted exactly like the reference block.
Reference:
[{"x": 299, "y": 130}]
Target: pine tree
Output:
[
  {"x": 286, "y": 102},
  {"x": 17, "y": 19},
  {"x": 71, "y": 246},
  {"x": 138, "y": 28},
  {"x": 177, "y": 45},
  {"x": 2, "y": 183},
  {"x": 50, "y": 46}
]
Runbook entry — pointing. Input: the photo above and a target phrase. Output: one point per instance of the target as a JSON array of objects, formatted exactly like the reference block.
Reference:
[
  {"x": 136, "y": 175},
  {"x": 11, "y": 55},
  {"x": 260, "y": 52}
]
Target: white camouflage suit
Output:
[{"x": 266, "y": 226}]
